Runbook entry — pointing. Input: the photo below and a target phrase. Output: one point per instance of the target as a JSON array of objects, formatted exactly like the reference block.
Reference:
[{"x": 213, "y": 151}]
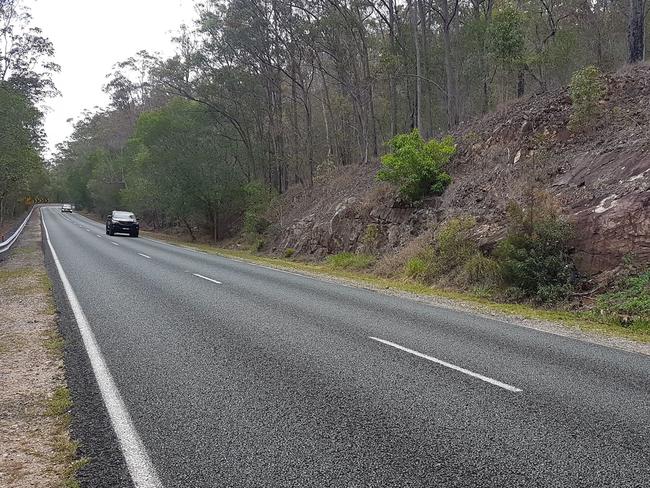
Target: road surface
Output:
[{"x": 237, "y": 375}]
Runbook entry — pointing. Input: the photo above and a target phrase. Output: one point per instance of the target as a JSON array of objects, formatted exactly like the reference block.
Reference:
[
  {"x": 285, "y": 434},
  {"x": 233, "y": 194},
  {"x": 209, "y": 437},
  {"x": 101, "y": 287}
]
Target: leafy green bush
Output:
[
  {"x": 586, "y": 90},
  {"x": 348, "y": 260},
  {"x": 288, "y": 252},
  {"x": 629, "y": 303},
  {"x": 417, "y": 166},
  {"x": 534, "y": 257}
]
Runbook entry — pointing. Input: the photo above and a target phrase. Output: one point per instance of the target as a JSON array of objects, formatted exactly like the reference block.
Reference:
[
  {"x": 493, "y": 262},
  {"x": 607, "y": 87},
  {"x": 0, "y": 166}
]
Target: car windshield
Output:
[{"x": 123, "y": 215}]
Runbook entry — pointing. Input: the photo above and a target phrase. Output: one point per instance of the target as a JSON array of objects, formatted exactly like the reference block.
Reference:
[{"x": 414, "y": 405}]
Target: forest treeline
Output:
[
  {"x": 261, "y": 95},
  {"x": 26, "y": 67}
]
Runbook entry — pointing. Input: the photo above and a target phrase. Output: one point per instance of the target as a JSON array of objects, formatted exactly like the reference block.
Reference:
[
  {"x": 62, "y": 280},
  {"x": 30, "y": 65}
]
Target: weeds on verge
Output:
[{"x": 351, "y": 261}]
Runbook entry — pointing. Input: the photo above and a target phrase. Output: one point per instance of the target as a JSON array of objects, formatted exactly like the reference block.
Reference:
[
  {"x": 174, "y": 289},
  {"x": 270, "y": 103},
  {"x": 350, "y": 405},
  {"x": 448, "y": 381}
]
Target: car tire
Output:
[
  {"x": 106, "y": 231},
  {"x": 110, "y": 232},
  {"x": 135, "y": 234}
]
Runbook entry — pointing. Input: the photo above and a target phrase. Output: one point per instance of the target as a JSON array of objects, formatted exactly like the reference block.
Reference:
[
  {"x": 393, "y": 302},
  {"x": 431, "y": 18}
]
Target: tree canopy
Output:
[
  {"x": 268, "y": 92},
  {"x": 25, "y": 80}
]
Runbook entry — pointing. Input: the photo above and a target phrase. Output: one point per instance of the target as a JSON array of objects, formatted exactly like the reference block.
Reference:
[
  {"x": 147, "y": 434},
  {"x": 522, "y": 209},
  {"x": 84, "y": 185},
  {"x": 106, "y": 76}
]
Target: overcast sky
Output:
[{"x": 90, "y": 36}]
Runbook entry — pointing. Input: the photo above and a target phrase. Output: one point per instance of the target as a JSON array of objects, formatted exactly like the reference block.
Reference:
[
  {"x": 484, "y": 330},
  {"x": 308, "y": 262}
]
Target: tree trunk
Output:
[
  {"x": 310, "y": 137},
  {"x": 484, "y": 59},
  {"x": 521, "y": 83},
  {"x": 189, "y": 229},
  {"x": 427, "y": 116},
  {"x": 635, "y": 33},
  {"x": 295, "y": 142},
  {"x": 452, "y": 104},
  {"x": 392, "y": 88},
  {"x": 215, "y": 224},
  {"x": 418, "y": 68}
]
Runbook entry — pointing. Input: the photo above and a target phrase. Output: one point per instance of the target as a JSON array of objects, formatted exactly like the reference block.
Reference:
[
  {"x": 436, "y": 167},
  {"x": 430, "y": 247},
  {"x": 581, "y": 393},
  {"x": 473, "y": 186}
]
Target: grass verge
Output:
[{"x": 58, "y": 408}]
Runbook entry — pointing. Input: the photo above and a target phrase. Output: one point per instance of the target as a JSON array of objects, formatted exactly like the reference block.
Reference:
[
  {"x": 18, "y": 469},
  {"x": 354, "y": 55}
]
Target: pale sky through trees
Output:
[{"x": 90, "y": 36}]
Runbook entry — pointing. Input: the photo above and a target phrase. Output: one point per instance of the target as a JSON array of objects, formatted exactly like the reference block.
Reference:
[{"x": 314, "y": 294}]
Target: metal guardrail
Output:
[{"x": 7, "y": 243}]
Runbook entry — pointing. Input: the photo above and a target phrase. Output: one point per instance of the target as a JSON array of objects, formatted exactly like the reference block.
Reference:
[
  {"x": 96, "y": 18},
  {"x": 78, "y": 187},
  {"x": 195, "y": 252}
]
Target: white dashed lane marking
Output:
[
  {"x": 206, "y": 278},
  {"x": 487, "y": 379}
]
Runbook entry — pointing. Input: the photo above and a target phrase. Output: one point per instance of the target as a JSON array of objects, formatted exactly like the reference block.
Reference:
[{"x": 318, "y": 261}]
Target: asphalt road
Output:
[{"x": 236, "y": 375}]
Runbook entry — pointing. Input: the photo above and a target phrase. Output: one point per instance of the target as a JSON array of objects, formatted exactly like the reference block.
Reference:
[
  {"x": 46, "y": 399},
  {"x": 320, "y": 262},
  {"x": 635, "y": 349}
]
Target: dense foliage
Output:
[
  {"x": 25, "y": 80},
  {"x": 532, "y": 262},
  {"x": 417, "y": 166},
  {"x": 20, "y": 163},
  {"x": 535, "y": 256}
]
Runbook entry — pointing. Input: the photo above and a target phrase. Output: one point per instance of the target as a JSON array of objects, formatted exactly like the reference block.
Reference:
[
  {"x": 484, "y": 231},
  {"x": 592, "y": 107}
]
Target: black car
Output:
[{"x": 125, "y": 222}]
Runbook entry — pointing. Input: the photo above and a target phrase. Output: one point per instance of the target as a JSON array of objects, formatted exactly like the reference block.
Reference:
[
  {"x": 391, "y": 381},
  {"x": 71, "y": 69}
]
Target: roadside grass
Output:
[
  {"x": 584, "y": 321},
  {"x": 351, "y": 261},
  {"x": 54, "y": 343},
  {"x": 58, "y": 407},
  {"x": 60, "y": 403},
  {"x": 65, "y": 449},
  {"x": 11, "y": 274},
  {"x": 23, "y": 251},
  {"x": 27, "y": 281}
]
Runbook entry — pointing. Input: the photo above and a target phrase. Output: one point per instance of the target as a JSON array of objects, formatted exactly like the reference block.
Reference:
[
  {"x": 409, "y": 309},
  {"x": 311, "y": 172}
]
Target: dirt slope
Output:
[{"x": 599, "y": 178}]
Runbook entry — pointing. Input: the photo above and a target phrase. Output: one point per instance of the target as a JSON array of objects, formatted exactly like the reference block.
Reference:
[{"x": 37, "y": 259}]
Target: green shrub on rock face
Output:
[
  {"x": 289, "y": 252},
  {"x": 417, "y": 166},
  {"x": 534, "y": 257},
  {"x": 586, "y": 90}
]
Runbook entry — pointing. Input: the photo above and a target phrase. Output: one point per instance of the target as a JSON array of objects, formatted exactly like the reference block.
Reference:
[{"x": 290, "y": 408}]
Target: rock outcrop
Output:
[{"x": 600, "y": 179}]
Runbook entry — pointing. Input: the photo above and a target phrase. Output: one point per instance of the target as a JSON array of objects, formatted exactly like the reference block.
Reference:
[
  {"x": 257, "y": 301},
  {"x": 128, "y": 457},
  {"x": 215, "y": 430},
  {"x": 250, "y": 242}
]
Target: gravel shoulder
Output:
[{"x": 37, "y": 450}]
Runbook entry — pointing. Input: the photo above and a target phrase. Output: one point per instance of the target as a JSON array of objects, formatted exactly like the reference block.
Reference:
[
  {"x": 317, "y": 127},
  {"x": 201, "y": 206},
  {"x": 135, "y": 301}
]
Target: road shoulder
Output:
[{"x": 35, "y": 402}]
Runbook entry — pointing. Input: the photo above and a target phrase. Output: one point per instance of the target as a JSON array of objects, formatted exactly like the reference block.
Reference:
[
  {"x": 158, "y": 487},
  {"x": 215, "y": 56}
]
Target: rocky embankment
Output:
[{"x": 599, "y": 178}]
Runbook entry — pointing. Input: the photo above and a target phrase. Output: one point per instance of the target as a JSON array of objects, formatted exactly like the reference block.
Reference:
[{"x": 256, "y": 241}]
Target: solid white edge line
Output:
[
  {"x": 144, "y": 255},
  {"x": 206, "y": 278},
  {"x": 143, "y": 473},
  {"x": 487, "y": 379}
]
